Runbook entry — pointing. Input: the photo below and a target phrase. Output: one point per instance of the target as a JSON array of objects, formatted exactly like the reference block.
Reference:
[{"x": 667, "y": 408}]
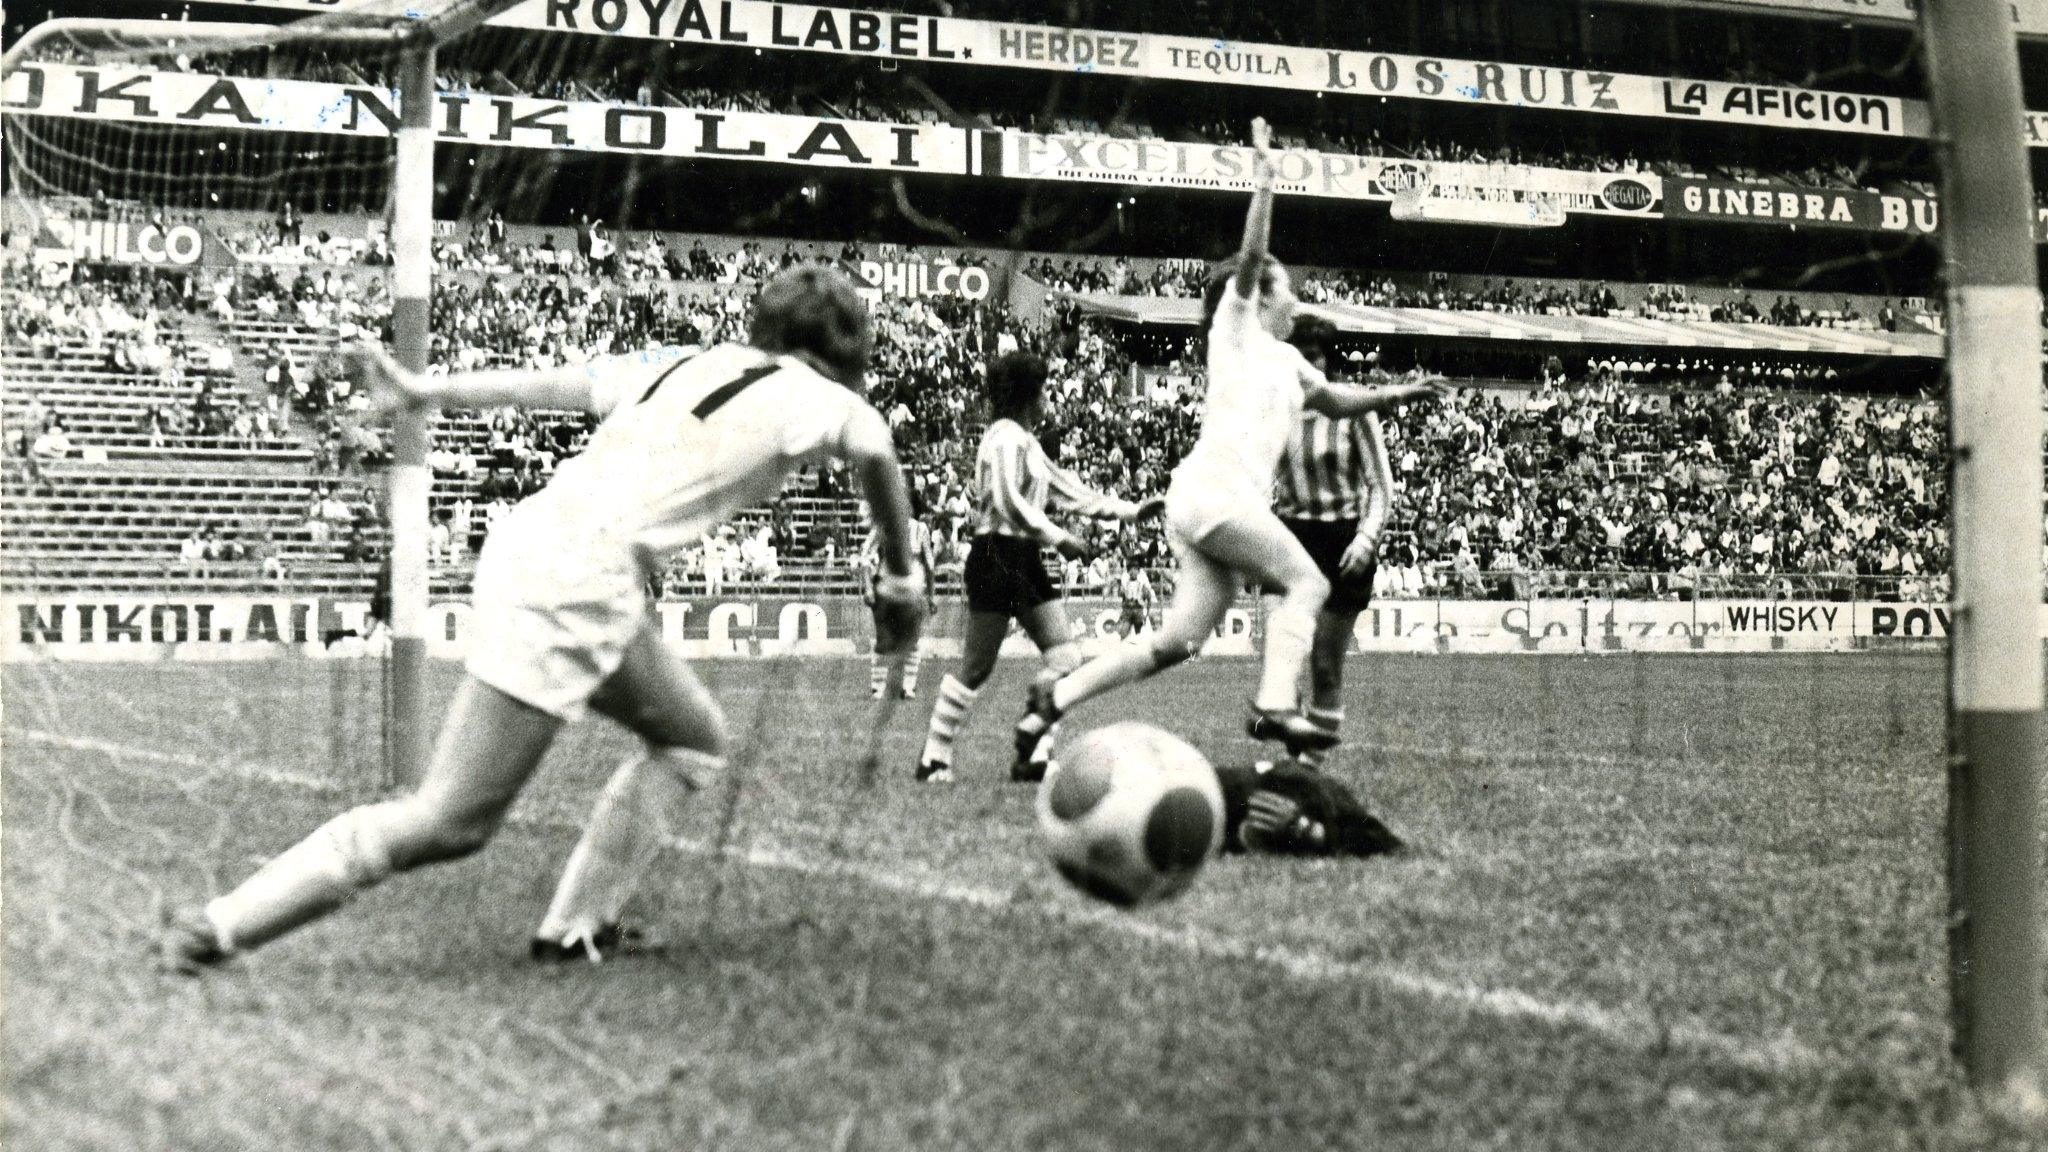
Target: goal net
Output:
[{"x": 189, "y": 485}]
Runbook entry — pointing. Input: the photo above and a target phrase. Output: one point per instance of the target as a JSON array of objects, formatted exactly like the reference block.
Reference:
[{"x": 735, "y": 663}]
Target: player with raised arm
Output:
[
  {"x": 1333, "y": 493},
  {"x": 560, "y": 622},
  {"x": 1219, "y": 511},
  {"x": 1005, "y": 575},
  {"x": 926, "y": 551}
]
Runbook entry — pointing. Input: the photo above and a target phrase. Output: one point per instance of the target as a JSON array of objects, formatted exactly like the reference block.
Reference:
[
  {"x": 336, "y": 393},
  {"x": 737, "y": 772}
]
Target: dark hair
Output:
[
  {"x": 812, "y": 311},
  {"x": 1015, "y": 382},
  {"x": 1313, "y": 334},
  {"x": 1219, "y": 282}
]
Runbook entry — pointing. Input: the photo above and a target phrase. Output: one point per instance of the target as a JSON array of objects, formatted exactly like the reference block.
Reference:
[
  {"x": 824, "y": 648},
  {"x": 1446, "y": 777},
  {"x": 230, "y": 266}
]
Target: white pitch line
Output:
[{"x": 1629, "y": 1027}]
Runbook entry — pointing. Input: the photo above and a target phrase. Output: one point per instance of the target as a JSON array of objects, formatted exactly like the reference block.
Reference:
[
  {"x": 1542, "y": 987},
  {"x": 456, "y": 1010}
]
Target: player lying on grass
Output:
[
  {"x": 1219, "y": 514},
  {"x": 1006, "y": 578},
  {"x": 1333, "y": 492},
  {"x": 560, "y": 621},
  {"x": 1293, "y": 809}
]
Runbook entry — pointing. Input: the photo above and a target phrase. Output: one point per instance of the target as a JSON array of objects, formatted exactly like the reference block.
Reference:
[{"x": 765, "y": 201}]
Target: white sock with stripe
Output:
[
  {"x": 956, "y": 699},
  {"x": 910, "y": 670}
]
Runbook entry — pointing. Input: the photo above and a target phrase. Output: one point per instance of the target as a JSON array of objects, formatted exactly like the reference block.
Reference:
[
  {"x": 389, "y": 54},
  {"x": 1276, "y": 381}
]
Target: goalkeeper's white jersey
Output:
[{"x": 689, "y": 438}]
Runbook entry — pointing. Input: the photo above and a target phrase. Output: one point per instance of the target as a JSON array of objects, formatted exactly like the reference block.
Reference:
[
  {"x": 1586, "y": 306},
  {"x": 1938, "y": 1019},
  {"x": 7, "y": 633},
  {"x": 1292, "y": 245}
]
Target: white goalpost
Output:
[{"x": 1995, "y": 659}]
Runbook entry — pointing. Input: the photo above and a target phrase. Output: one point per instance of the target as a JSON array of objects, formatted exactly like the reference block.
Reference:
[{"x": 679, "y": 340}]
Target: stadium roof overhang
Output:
[{"x": 1585, "y": 331}]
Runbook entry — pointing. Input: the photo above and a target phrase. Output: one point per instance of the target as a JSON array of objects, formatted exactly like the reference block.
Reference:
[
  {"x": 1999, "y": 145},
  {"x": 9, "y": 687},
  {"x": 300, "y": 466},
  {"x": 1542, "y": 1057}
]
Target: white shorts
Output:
[
  {"x": 1197, "y": 506},
  {"x": 550, "y": 619}
]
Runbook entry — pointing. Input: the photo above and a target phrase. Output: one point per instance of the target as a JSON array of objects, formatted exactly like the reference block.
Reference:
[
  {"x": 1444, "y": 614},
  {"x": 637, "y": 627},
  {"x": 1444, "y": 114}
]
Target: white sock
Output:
[
  {"x": 627, "y": 829},
  {"x": 1290, "y": 634},
  {"x": 309, "y": 880},
  {"x": 956, "y": 699},
  {"x": 878, "y": 674},
  {"x": 910, "y": 669},
  {"x": 1043, "y": 753}
]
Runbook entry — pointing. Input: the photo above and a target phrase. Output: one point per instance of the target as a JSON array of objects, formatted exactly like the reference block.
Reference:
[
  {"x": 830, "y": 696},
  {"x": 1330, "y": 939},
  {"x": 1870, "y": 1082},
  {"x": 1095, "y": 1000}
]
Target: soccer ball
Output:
[{"x": 1131, "y": 814}]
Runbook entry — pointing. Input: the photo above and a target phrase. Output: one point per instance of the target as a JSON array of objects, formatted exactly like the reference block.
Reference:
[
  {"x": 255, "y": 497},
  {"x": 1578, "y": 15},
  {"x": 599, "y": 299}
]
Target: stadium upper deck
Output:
[{"x": 1668, "y": 159}]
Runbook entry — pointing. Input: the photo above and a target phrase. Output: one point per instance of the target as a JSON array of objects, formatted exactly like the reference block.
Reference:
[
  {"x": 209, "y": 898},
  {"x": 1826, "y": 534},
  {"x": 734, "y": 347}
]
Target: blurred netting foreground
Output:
[{"x": 1686, "y": 899}]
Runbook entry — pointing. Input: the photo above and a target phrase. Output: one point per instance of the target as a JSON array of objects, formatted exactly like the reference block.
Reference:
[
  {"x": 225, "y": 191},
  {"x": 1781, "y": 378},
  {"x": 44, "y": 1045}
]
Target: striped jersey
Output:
[
  {"x": 1135, "y": 587},
  {"x": 922, "y": 550},
  {"x": 1014, "y": 480},
  {"x": 1334, "y": 469}
]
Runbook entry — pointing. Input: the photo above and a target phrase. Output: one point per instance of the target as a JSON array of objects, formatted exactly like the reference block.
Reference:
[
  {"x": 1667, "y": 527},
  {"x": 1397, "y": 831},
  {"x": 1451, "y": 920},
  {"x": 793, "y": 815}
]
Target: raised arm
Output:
[{"x": 1258, "y": 220}]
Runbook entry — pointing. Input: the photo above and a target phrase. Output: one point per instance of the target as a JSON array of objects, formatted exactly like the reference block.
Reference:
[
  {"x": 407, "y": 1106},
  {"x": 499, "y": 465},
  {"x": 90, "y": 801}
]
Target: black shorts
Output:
[
  {"x": 1006, "y": 574},
  {"x": 1325, "y": 541},
  {"x": 1134, "y": 614}
]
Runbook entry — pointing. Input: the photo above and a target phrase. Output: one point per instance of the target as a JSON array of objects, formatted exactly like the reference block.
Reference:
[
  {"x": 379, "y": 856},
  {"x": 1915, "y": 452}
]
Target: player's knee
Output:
[
  {"x": 366, "y": 842},
  {"x": 695, "y": 768},
  {"x": 703, "y": 732},
  {"x": 435, "y": 833},
  {"x": 976, "y": 670},
  {"x": 1311, "y": 588}
]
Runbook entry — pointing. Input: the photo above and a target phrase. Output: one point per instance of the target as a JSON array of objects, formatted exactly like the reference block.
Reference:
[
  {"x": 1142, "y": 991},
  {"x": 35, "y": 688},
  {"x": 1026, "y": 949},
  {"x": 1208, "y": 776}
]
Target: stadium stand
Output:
[{"x": 166, "y": 472}]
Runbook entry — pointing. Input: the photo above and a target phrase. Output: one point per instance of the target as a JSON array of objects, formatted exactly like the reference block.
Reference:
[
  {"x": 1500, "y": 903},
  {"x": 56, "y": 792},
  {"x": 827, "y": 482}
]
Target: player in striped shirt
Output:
[
  {"x": 1135, "y": 590},
  {"x": 870, "y": 565},
  {"x": 1332, "y": 493},
  {"x": 1006, "y": 579},
  {"x": 1219, "y": 512},
  {"x": 560, "y": 623}
]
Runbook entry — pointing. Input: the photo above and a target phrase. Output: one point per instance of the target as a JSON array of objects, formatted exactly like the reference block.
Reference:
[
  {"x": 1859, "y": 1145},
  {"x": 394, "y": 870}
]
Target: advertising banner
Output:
[
  {"x": 1854, "y": 210},
  {"x": 764, "y": 25},
  {"x": 913, "y": 278},
  {"x": 1851, "y": 209},
  {"x": 188, "y": 100},
  {"x": 807, "y": 28},
  {"x": 59, "y": 240},
  {"x": 475, "y": 118},
  {"x": 1174, "y": 164},
  {"x": 2029, "y": 17},
  {"x": 129, "y": 627},
  {"x": 1468, "y": 191}
]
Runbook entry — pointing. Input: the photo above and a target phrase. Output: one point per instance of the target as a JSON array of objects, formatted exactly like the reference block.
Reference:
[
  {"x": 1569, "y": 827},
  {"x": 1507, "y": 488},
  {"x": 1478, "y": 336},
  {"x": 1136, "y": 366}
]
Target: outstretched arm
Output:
[
  {"x": 1258, "y": 221},
  {"x": 1341, "y": 400},
  {"x": 572, "y": 386}
]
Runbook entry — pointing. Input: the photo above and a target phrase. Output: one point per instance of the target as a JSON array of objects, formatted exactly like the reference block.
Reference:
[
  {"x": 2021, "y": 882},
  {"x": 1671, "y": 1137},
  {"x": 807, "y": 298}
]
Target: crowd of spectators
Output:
[
  {"x": 1185, "y": 278},
  {"x": 1687, "y": 471}
]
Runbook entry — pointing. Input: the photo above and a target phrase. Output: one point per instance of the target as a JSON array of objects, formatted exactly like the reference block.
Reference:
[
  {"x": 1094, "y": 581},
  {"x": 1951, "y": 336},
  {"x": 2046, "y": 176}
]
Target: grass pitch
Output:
[{"x": 1656, "y": 902}]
